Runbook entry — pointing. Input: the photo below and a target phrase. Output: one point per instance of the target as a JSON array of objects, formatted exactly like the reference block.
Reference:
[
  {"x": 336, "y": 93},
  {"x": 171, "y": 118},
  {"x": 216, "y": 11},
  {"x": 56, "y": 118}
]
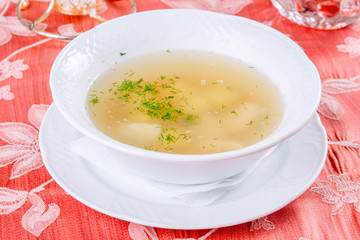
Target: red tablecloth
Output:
[{"x": 33, "y": 205}]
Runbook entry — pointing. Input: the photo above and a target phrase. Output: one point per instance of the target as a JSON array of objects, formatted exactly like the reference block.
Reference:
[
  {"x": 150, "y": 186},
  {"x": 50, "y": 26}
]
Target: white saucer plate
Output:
[{"x": 282, "y": 177}]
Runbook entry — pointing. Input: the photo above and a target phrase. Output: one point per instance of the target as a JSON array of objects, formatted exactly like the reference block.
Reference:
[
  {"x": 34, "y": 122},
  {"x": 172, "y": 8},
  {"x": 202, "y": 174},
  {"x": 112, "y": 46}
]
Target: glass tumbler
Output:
[{"x": 320, "y": 14}]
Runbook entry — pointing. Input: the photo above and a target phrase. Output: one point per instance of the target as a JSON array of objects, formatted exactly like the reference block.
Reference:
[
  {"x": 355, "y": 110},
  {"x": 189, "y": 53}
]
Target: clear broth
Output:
[{"x": 184, "y": 102}]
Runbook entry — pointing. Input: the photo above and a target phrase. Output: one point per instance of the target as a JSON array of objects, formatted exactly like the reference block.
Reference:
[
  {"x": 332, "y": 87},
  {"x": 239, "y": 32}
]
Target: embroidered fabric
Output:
[{"x": 33, "y": 205}]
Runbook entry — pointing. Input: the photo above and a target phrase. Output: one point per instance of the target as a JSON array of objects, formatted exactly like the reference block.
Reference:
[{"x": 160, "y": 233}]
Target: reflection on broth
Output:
[{"x": 184, "y": 102}]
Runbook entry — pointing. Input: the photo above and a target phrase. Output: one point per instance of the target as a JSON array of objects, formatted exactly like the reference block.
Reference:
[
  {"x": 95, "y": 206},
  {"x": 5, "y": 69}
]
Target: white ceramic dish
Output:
[
  {"x": 271, "y": 52},
  {"x": 282, "y": 177}
]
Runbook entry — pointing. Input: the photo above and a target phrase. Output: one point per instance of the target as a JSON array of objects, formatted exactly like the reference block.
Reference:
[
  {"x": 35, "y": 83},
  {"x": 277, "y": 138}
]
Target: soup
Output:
[{"x": 184, "y": 102}]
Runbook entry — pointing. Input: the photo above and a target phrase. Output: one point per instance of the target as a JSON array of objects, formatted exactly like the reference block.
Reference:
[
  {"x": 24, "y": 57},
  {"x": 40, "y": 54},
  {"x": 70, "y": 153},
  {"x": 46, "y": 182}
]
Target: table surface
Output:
[{"x": 32, "y": 205}]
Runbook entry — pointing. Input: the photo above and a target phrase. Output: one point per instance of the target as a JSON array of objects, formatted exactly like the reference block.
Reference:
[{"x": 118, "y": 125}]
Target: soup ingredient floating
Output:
[{"x": 184, "y": 102}]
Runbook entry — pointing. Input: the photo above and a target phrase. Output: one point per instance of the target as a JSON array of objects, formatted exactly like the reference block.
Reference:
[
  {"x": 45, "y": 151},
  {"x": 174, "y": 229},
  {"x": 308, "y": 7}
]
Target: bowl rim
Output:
[{"x": 258, "y": 147}]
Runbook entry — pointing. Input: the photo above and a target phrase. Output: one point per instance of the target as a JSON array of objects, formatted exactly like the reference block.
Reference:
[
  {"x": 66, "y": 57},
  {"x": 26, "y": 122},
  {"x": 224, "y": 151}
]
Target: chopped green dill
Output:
[
  {"x": 160, "y": 100},
  {"x": 94, "y": 100},
  {"x": 250, "y": 123},
  {"x": 101, "y": 92},
  {"x": 168, "y": 51},
  {"x": 212, "y": 145},
  {"x": 169, "y": 136},
  {"x": 140, "y": 81},
  {"x": 192, "y": 117},
  {"x": 155, "y": 108},
  {"x": 126, "y": 97},
  {"x": 234, "y": 112},
  {"x": 151, "y": 147},
  {"x": 122, "y": 54},
  {"x": 167, "y": 129},
  {"x": 266, "y": 117},
  {"x": 185, "y": 100},
  {"x": 222, "y": 106},
  {"x": 166, "y": 116},
  {"x": 175, "y": 90},
  {"x": 219, "y": 121},
  {"x": 166, "y": 86},
  {"x": 149, "y": 87}
]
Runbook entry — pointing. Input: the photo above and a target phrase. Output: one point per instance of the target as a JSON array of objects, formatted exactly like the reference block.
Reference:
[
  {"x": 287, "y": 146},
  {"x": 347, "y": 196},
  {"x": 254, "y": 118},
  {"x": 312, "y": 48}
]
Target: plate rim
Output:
[{"x": 135, "y": 219}]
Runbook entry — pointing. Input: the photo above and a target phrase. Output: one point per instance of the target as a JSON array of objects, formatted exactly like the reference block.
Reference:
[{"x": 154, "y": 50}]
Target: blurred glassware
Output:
[
  {"x": 77, "y": 7},
  {"x": 320, "y": 14},
  {"x": 67, "y": 7}
]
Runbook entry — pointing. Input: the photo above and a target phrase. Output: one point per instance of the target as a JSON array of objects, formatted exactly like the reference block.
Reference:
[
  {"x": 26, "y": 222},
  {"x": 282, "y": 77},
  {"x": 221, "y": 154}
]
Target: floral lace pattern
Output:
[
  {"x": 35, "y": 219},
  {"x": 12, "y": 69},
  {"x": 23, "y": 151},
  {"x": 262, "y": 223},
  {"x": 329, "y": 106},
  {"x": 5, "y": 93},
  {"x": 137, "y": 231},
  {"x": 36, "y": 210},
  {"x": 338, "y": 191},
  {"x": 140, "y": 232},
  {"x": 351, "y": 46},
  {"x": 351, "y": 144},
  {"x": 11, "y": 25},
  {"x": 23, "y": 144}
]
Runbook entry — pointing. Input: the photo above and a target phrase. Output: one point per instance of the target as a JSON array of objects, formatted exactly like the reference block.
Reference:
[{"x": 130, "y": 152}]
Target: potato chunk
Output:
[{"x": 140, "y": 134}]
